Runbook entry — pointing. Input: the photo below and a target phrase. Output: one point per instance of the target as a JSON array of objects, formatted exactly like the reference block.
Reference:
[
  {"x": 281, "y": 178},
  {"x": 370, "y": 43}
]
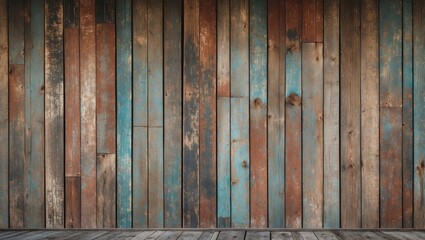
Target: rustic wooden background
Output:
[{"x": 212, "y": 113}]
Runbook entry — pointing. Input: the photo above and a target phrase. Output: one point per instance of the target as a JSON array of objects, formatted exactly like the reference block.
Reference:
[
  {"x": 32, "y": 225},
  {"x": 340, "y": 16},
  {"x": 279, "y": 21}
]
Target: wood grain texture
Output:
[
  {"x": 191, "y": 114},
  {"x": 258, "y": 113},
  {"x": 105, "y": 11},
  {"x": 312, "y": 20},
  {"x": 88, "y": 112},
  {"x": 350, "y": 114},
  {"x": 4, "y": 116},
  {"x": 370, "y": 113},
  {"x": 71, "y": 14},
  {"x": 140, "y": 177},
  {"x": 331, "y": 121},
  {"x": 312, "y": 124},
  {"x": 223, "y": 113},
  {"x": 419, "y": 115},
  {"x": 106, "y": 190},
  {"x": 156, "y": 178},
  {"x": 172, "y": 112},
  {"x": 391, "y": 100},
  {"x": 72, "y": 203},
  {"x": 207, "y": 113}
]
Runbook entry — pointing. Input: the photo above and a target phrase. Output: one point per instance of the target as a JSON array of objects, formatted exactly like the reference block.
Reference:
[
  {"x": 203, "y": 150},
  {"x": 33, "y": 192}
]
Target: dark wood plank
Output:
[
  {"x": 105, "y": 11},
  {"x": 156, "y": 178},
  {"x": 106, "y": 191},
  {"x": 172, "y": 112},
  {"x": 71, "y": 14},
  {"x": 72, "y": 203},
  {"x": 350, "y": 114}
]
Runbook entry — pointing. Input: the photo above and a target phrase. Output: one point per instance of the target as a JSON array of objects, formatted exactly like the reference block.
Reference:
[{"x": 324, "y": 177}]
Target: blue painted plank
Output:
[
  {"x": 156, "y": 177},
  {"x": 124, "y": 113}
]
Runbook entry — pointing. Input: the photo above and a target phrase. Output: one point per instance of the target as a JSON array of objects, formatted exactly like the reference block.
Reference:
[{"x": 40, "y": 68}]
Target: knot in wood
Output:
[{"x": 293, "y": 99}]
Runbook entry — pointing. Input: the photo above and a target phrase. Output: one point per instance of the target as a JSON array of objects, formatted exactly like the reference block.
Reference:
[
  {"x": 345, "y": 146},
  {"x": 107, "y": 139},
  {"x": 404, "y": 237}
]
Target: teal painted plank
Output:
[
  {"x": 172, "y": 113},
  {"x": 156, "y": 178},
  {"x": 239, "y": 108},
  {"x": 4, "y": 116},
  {"x": 124, "y": 113},
  {"x": 34, "y": 166},
  {"x": 407, "y": 113},
  {"x": 312, "y": 125},
  {"x": 419, "y": 113},
  {"x": 140, "y": 177}
]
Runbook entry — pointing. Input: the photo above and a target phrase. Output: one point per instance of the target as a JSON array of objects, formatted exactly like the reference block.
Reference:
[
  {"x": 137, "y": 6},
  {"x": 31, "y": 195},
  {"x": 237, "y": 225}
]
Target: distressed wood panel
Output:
[
  {"x": 312, "y": 20},
  {"x": 106, "y": 190},
  {"x": 140, "y": 177},
  {"x": 72, "y": 203},
  {"x": 156, "y": 178}
]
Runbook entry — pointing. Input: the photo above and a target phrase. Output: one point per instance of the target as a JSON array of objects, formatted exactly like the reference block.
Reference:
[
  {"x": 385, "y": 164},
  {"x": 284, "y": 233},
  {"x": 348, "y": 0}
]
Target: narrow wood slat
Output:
[
  {"x": 207, "y": 113},
  {"x": 140, "y": 177},
  {"x": 106, "y": 191},
  {"x": 4, "y": 116},
  {"x": 223, "y": 113},
  {"x": 88, "y": 113},
  {"x": 156, "y": 179},
  {"x": 312, "y": 124},
  {"x": 390, "y": 20},
  {"x": 172, "y": 112},
  {"x": 72, "y": 203},
  {"x": 54, "y": 112},
  {"x": 312, "y": 20},
  {"x": 263, "y": 235},
  {"x": 191, "y": 114},
  {"x": 225, "y": 235},
  {"x": 419, "y": 113},
  {"x": 350, "y": 114},
  {"x": 16, "y": 31},
  {"x": 258, "y": 113},
  {"x": 124, "y": 113},
  {"x": 71, "y": 14},
  {"x": 292, "y": 111},
  {"x": 105, "y": 11},
  {"x": 370, "y": 113}
]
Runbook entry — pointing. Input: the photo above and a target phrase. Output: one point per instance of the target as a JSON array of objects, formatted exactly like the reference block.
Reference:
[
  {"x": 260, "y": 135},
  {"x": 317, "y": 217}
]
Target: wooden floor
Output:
[{"x": 210, "y": 235}]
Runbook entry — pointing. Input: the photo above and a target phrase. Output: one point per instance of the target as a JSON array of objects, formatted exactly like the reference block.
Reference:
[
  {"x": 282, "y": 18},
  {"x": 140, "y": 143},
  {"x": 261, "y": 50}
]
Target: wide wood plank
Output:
[
  {"x": 106, "y": 190},
  {"x": 54, "y": 113}
]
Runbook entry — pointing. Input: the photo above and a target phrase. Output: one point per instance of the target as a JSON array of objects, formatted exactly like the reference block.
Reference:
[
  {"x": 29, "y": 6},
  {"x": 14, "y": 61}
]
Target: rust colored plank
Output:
[
  {"x": 312, "y": 20},
  {"x": 140, "y": 177},
  {"x": 207, "y": 114},
  {"x": 319, "y": 21},
  {"x": 73, "y": 204},
  {"x": 106, "y": 191},
  {"x": 88, "y": 113}
]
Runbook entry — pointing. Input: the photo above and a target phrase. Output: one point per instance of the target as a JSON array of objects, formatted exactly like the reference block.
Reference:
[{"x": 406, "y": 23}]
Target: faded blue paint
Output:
[
  {"x": 293, "y": 68},
  {"x": 124, "y": 114},
  {"x": 156, "y": 177}
]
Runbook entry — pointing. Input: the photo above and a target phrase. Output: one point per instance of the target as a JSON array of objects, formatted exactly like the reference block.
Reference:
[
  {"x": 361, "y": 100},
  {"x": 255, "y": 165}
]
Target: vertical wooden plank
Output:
[
  {"x": 350, "y": 114},
  {"x": 370, "y": 113},
  {"x": 207, "y": 114},
  {"x": 124, "y": 113},
  {"x": 88, "y": 113},
  {"x": 419, "y": 113},
  {"x": 319, "y": 20},
  {"x": 16, "y": 32},
  {"x": 407, "y": 114},
  {"x": 105, "y": 11},
  {"x": 105, "y": 88},
  {"x": 312, "y": 124},
  {"x": 223, "y": 113},
  {"x": 275, "y": 133},
  {"x": 140, "y": 114},
  {"x": 191, "y": 114},
  {"x": 391, "y": 100},
  {"x": 72, "y": 114},
  {"x": 312, "y": 20},
  {"x": 16, "y": 144},
  {"x": 4, "y": 117},
  {"x": 258, "y": 112},
  {"x": 106, "y": 190},
  {"x": 54, "y": 108},
  {"x": 239, "y": 112},
  {"x": 172, "y": 113},
  {"x": 293, "y": 121},
  {"x": 155, "y": 113},
  {"x": 331, "y": 190}
]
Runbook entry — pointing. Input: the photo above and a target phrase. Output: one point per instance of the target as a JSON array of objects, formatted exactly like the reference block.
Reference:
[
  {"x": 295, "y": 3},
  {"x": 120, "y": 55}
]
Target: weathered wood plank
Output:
[
  {"x": 4, "y": 117},
  {"x": 312, "y": 124},
  {"x": 275, "y": 133},
  {"x": 54, "y": 114},
  {"x": 312, "y": 20},
  {"x": 105, "y": 11},
  {"x": 225, "y": 235},
  {"x": 293, "y": 115},
  {"x": 319, "y": 21},
  {"x": 16, "y": 31},
  {"x": 391, "y": 100},
  {"x": 258, "y": 113},
  {"x": 16, "y": 145},
  {"x": 281, "y": 236},
  {"x": 223, "y": 113},
  {"x": 88, "y": 113},
  {"x": 370, "y": 113},
  {"x": 106, "y": 191},
  {"x": 407, "y": 158},
  {"x": 419, "y": 113},
  {"x": 263, "y": 235},
  {"x": 71, "y": 14},
  {"x": 350, "y": 114},
  {"x": 72, "y": 203},
  {"x": 172, "y": 113},
  {"x": 105, "y": 88},
  {"x": 190, "y": 235},
  {"x": 124, "y": 113},
  {"x": 325, "y": 235},
  {"x": 207, "y": 113},
  {"x": 140, "y": 177},
  {"x": 156, "y": 178},
  {"x": 191, "y": 114},
  {"x": 331, "y": 123}
]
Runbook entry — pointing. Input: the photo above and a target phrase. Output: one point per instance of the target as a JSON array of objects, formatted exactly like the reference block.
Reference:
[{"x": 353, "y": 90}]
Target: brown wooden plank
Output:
[
  {"x": 106, "y": 191},
  {"x": 207, "y": 114},
  {"x": 370, "y": 113},
  {"x": 319, "y": 19},
  {"x": 72, "y": 203},
  {"x": 312, "y": 20},
  {"x": 88, "y": 113},
  {"x": 350, "y": 114}
]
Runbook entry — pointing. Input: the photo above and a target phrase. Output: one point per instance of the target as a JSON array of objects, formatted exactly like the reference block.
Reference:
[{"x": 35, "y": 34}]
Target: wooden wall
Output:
[{"x": 212, "y": 113}]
